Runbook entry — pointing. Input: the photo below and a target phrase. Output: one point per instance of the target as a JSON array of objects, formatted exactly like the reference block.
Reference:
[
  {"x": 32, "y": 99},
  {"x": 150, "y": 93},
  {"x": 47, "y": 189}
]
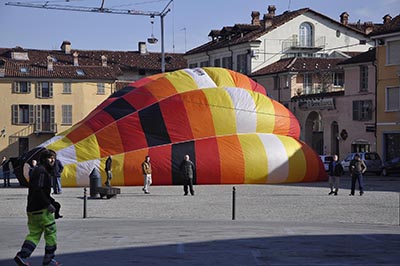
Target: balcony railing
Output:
[
  {"x": 293, "y": 44},
  {"x": 317, "y": 88}
]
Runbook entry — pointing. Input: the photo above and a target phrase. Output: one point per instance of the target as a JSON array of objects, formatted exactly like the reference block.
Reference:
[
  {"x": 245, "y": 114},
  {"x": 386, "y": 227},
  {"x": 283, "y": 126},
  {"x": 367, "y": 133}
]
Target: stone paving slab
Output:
[{"x": 294, "y": 224}]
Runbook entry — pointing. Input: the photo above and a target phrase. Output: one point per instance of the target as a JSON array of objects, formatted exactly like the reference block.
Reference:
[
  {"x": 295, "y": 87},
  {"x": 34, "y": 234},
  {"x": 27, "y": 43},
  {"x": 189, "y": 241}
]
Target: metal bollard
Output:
[
  {"x": 233, "y": 202},
  {"x": 84, "y": 202}
]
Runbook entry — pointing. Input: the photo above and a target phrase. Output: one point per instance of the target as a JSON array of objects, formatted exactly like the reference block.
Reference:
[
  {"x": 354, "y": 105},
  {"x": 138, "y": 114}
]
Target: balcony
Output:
[
  {"x": 316, "y": 89},
  {"x": 45, "y": 128},
  {"x": 294, "y": 45}
]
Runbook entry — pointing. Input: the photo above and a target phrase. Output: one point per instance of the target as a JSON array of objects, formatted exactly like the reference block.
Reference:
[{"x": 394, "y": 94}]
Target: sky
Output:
[{"x": 186, "y": 26}]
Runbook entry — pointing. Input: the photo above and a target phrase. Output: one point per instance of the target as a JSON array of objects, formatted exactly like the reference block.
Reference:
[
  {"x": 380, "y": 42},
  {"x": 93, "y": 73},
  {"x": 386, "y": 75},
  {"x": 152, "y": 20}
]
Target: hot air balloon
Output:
[{"x": 233, "y": 132}]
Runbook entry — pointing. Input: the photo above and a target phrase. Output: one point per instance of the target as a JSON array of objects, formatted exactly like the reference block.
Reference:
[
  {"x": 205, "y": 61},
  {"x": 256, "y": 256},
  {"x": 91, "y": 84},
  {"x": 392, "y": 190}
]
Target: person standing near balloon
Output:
[
  {"x": 146, "y": 169},
  {"x": 187, "y": 170},
  {"x": 108, "y": 170}
]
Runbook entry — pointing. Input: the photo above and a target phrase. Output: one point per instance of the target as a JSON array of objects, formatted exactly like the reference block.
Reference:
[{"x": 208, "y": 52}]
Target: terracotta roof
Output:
[
  {"x": 368, "y": 56},
  {"x": 299, "y": 64},
  {"x": 242, "y": 33},
  {"x": 89, "y": 61},
  {"x": 391, "y": 27}
]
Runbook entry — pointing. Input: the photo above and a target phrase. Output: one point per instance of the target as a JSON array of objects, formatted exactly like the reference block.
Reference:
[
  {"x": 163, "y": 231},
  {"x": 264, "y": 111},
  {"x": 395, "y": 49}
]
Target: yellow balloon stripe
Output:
[
  {"x": 222, "y": 110},
  {"x": 253, "y": 151},
  {"x": 87, "y": 149},
  {"x": 182, "y": 81},
  {"x": 69, "y": 176},
  {"x": 296, "y": 157},
  {"x": 265, "y": 113},
  {"x": 220, "y": 76}
]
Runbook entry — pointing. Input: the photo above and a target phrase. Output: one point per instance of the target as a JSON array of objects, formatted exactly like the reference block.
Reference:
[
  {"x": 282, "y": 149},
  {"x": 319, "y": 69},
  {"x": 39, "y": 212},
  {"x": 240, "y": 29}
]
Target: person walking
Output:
[
  {"x": 146, "y": 169},
  {"x": 108, "y": 170},
  {"x": 335, "y": 172},
  {"x": 58, "y": 168},
  {"x": 357, "y": 169},
  {"x": 187, "y": 170},
  {"x": 5, "y": 164},
  {"x": 41, "y": 213}
]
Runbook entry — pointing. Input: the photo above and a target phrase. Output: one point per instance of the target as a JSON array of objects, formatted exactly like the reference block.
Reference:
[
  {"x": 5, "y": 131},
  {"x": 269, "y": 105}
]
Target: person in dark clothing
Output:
[
  {"x": 335, "y": 172},
  {"x": 108, "y": 170},
  {"x": 187, "y": 170},
  {"x": 41, "y": 210},
  {"x": 5, "y": 164},
  {"x": 58, "y": 168},
  {"x": 357, "y": 169}
]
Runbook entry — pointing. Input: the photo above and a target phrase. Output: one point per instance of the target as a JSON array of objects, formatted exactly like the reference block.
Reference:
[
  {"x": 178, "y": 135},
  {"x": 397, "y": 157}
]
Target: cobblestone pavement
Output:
[{"x": 292, "y": 224}]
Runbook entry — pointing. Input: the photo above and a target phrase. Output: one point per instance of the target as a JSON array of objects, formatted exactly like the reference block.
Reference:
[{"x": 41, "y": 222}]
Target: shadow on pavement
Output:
[{"x": 371, "y": 249}]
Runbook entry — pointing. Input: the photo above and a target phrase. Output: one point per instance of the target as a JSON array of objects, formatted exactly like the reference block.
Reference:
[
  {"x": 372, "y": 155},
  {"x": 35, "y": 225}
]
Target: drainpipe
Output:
[
  {"x": 376, "y": 103},
  {"x": 229, "y": 49}
]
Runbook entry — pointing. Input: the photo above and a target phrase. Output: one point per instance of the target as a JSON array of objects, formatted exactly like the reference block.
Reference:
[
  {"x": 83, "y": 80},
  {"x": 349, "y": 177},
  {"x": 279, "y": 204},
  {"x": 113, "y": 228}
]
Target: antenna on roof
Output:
[{"x": 288, "y": 8}]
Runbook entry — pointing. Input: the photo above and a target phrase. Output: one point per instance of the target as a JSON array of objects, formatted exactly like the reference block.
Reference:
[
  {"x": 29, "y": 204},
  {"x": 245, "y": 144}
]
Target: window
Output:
[
  {"x": 362, "y": 110},
  {"x": 22, "y": 114},
  {"x": 45, "y": 121},
  {"x": 307, "y": 83},
  {"x": 194, "y": 65},
  {"x": 242, "y": 63},
  {"x": 101, "y": 88},
  {"x": 217, "y": 62},
  {"x": 44, "y": 90},
  {"x": 363, "y": 78},
  {"x": 393, "y": 99},
  {"x": 227, "y": 62},
  {"x": 21, "y": 87},
  {"x": 67, "y": 88},
  {"x": 306, "y": 35},
  {"x": 393, "y": 55},
  {"x": 23, "y": 70},
  {"x": 277, "y": 82},
  {"x": 338, "y": 79},
  {"x": 66, "y": 114},
  {"x": 80, "y": 72},
  {"x": 204, "y": 64},
  {"x": 142, "y": 72}
]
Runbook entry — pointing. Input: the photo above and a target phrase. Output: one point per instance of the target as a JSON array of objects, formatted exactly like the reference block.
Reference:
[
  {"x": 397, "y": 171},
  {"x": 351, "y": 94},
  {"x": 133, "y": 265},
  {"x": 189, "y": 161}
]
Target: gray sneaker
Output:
[{"x": 53, "y": 262}]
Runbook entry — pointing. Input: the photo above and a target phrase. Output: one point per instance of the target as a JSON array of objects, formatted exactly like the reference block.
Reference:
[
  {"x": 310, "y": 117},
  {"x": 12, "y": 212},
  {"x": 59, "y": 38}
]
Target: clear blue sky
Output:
[{"x": 186, "y": 26}]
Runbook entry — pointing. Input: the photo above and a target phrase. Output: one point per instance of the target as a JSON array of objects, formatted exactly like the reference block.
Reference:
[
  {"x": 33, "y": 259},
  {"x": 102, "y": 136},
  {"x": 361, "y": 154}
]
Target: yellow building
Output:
[
  {"x": 388, "y": 87},
  {"x": 44, "y": 92}
]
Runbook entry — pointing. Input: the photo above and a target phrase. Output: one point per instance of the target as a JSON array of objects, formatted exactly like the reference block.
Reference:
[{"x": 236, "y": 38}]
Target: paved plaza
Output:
[{"x": 291, "y": 224}]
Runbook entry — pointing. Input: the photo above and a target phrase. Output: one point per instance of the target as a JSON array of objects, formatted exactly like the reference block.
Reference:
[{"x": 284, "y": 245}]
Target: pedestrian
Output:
[
  {"x": 41, "y": 213},
  {"x": 335, "y": 172},
  {"x": 146, "y": 169},
  {"x": 108, "y": 170},
  {"x": 58, "y": 168},
  {"x": 5, "y": 164},
  {"x": 187, "y": 170},
  {"x": 357, "y": 169}
]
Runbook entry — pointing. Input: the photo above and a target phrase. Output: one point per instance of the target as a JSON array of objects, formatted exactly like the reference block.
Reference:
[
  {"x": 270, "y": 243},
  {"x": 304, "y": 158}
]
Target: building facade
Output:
[
  {"x": 45, "y": 92},
  {"x": 388, "y": 87}
]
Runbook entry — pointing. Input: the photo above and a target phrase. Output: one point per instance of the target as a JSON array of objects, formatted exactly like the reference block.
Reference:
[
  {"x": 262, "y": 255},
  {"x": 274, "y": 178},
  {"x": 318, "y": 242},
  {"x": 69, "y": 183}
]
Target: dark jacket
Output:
[
  {"x": 357, "y": 166},
  {"x": 187, "y": 169},
  {"x": 39, "y": 190},
  {"x": 6, "y": 165},
  {"x": 58, "y": 168},
  {"x": 337, "y": 170},
  {"x": 108, "y": 164}
]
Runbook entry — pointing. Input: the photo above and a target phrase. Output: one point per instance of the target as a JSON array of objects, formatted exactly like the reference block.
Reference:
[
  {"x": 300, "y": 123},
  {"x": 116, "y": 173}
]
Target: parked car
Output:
[
  {"x": 391, "y": 167},
  {"x": 372, "y": 161},
  {"x": 326, "y": 160}
]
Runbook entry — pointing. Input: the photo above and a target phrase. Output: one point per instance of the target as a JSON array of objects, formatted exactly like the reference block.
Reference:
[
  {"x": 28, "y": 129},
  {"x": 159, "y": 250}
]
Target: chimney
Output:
[
  {"x": 271, "y": 10},
  {"x": 267, "y": 20},
  {"x": 103, "y": 60},
  {"x": 387, "y": 19},
  {"x": 344, "y": 18},
  {"x": 49, "y": 63},
  {"x": 368, "y": 27},
  {"x": 142, "y": 48},
  {"x": 66, "y": 47},
  {"x": 255, "y": 18},
  {"x": 76, "y": 63}
]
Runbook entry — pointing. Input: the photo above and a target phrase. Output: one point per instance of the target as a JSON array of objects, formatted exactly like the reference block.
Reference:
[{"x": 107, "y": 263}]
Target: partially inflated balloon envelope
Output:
[{"x": 232, "y": 131}]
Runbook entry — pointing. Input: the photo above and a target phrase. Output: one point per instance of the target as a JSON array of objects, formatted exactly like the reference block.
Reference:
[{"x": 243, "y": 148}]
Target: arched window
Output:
[{"x": 306, "y": 35}]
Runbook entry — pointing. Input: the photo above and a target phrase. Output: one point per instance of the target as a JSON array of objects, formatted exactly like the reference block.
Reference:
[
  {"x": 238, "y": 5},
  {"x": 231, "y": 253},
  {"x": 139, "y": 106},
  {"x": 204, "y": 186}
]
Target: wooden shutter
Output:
[
  {"x": 38, "y": 90},
  {"x": 14, "y": 112},
  {"x": 52, "y": 119},
  {"x": 356, "y": 112},
  {"x": 15, "y": 87},
  {"x": 31, "y": 114},
  {"x": 29, "y": 86},
  {"x": 50, "y": 89},
  {"x": 38, "y": 124}
]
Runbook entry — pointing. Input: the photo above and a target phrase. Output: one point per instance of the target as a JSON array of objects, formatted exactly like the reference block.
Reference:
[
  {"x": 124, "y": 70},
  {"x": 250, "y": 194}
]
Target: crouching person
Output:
[{"x": 40, "y": 211}]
